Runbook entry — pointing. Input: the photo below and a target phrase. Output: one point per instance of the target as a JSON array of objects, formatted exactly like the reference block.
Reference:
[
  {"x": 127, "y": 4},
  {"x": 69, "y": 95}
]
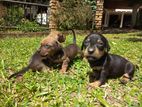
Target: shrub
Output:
[
  {"x": 13, "y": 16},
  {"x": 92, "y": 4},
  {"x": 26, "y": 25},
  {"x": 2, "y": 21},
  {"x": 74, "y": 14}
]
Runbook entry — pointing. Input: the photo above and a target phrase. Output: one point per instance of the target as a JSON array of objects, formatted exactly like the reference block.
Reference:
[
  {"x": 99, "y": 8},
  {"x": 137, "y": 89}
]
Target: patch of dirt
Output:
[{"x": 20, "y": 34}]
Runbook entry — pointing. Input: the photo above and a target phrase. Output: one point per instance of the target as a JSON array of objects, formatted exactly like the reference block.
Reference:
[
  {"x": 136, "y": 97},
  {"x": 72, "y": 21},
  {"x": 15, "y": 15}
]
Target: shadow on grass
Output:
[
  {"x": 134, "y": 39},
  {"x": 129, "y": 39},
  {"x": 137, "y": 34},
  {"x": 118, "y": 31},
  {"x": 58, "y": 66}
]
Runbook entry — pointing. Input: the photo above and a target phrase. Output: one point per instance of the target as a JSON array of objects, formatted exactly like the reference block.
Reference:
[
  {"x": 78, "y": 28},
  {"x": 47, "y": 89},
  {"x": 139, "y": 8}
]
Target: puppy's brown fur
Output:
[
  {"x": 65, "y": 55},
  {"x": 51, "y": 43},
  {"x": 59, "y": 36},
  {"x": 49, "y": 46}
]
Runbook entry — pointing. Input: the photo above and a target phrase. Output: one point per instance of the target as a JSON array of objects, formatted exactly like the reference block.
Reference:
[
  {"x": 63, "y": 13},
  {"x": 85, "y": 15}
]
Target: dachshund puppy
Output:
[
  {"x": 95, "y": 49},
  {"x": 58, "y": 36},
  {"x": 65, "y": 55},
  {"x": 42, "y": 58}
]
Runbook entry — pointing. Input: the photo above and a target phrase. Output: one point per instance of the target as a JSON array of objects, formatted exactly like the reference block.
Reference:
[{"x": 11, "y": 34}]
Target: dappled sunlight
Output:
[{"x": 71, "y": 89}]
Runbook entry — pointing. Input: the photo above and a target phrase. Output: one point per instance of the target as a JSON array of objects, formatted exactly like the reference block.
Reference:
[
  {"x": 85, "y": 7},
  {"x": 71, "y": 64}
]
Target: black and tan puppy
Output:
[
  {"x": 67, "y": 54},
  {"x": 41, "y": 60},
  {"x": 95, "y": 49}
]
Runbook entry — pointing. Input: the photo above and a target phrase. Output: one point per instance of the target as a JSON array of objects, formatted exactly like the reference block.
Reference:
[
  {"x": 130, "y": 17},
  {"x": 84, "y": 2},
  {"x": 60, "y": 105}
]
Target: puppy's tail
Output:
[
  {"x": 74, "y": 36},
  {"x": 20, "y": 73}
]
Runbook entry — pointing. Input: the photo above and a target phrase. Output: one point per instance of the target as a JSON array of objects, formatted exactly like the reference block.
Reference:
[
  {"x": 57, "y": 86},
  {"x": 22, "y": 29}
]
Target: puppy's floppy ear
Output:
[
  {"x": 61, "y": 38},
  {"x": 107, "y": 45},
  {"x": 82, "y": 46}
]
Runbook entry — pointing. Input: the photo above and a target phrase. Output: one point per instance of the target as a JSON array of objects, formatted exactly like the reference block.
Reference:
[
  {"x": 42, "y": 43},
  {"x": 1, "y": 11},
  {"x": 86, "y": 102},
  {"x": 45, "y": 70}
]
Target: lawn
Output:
[{"x": 40, "y": 89}]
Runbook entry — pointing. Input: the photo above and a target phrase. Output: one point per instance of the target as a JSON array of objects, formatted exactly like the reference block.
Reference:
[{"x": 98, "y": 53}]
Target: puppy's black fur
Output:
[{"x": 95, "y": 49}]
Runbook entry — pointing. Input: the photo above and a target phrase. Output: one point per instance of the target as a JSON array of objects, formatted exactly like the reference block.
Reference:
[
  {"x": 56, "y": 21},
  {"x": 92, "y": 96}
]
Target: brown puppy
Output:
[
  {"x": 41, "y": 59},
  {"x": 65, "y": 55},
  {"x": 58, "y": 36},
  {"x": 105, "y": 65}
]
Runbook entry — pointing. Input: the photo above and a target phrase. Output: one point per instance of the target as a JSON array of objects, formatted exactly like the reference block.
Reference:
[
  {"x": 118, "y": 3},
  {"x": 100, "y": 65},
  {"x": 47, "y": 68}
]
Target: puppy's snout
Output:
[{"x": 90, "y": 50}]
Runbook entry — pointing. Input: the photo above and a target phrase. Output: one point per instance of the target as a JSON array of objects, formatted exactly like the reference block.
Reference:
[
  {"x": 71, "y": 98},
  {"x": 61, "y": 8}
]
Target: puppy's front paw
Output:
[
  {"x": 125, "y": 78},
  {"x": 46, "y": 69},
  {"x": 95, "y": 84},
  {"x": 63, "y": 71}
]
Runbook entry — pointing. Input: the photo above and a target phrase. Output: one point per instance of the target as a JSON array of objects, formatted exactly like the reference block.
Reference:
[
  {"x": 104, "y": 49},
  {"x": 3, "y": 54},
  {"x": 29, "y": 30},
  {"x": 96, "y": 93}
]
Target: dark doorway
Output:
[
  {"x": 127, "y": 22},
  {"x": 114, "y": 21}
]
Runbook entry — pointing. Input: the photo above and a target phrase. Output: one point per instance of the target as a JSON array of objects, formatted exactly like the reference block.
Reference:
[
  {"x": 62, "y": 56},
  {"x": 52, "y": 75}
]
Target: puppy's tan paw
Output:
[
  {"x": 95, "y": 84},
  {"x": 124, "y": 79},
  {"x": 63, "y": 72},
  {"x": 47, "y": 69}
]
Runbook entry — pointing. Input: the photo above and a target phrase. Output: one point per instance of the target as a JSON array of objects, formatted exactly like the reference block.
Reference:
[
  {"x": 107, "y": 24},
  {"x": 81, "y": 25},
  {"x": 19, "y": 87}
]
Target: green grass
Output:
[{"x": 53, "y": 89}]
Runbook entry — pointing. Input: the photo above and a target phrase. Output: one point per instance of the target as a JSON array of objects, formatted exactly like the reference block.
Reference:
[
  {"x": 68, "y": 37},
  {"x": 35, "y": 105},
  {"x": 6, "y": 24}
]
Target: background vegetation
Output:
[
  {"x": 15, "y": 19},
  {"x": 76, "y": 14},
  {"x": 56, "y": 90}
]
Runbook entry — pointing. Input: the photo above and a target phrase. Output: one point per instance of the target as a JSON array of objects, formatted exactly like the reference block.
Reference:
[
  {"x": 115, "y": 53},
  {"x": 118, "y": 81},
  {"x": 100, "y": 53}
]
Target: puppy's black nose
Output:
[{"x": 90, "y": 50}]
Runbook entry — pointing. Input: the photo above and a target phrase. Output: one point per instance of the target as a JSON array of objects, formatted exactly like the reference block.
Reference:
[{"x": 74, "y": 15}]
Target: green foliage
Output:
[
  {"x": 14, "y": 15},
  {"x": 92, "y": 3},
  {"x": 2, "y": 21},
  {"x": 74, "y": 14},
  {"x": 41, "y": 89},
  {"x": 26, "y": 25}
]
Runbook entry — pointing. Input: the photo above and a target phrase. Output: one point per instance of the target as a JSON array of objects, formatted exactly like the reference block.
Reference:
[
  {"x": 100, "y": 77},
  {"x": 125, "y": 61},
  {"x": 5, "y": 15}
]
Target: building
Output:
[
  {"x": 109, "y": 13},
  {"x": 31, "y": 8},
  {"x": 118, "y": 14}
]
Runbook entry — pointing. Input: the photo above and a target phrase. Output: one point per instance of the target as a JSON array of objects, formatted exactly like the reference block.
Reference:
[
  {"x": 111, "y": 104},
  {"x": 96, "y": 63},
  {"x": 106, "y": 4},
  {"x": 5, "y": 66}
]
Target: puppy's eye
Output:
[
  {"x": 47, "y": 46},
  {"x": 88, "y": 40},
  {"x": 100, "y": 42}
]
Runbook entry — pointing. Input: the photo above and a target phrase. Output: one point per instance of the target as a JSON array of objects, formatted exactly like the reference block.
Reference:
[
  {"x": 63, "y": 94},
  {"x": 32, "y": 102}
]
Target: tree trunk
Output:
[{"x": 54, "y": 4}]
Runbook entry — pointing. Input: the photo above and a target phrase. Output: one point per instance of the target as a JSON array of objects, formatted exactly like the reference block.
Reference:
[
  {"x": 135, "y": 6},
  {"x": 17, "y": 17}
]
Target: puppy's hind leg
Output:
[
  {"x": 46, "y": 69},
  {"x": 65, "y": 65},
  {"x": 128, "y": 74}
]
